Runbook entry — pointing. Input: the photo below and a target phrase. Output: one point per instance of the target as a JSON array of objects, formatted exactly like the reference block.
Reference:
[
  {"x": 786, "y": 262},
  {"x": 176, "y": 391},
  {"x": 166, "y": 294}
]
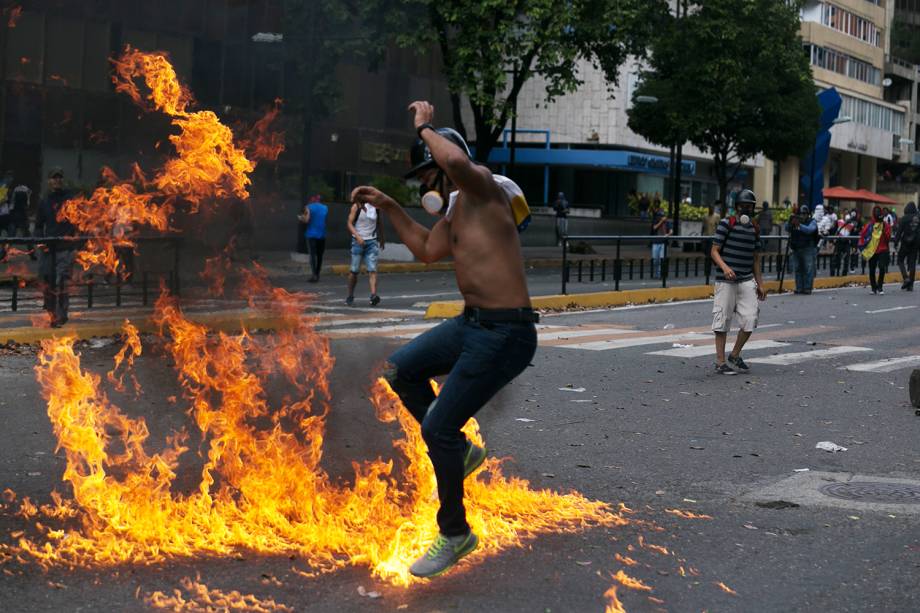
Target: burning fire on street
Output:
[{"x": 262, "y": 488}]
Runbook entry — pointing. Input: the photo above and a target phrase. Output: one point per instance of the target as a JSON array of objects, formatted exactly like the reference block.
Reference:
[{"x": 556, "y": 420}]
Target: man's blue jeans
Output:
[
  {"x": 803, "y": 263},
  {"x": 657, "y": 256},
  {"x": 481, "y": 358}
]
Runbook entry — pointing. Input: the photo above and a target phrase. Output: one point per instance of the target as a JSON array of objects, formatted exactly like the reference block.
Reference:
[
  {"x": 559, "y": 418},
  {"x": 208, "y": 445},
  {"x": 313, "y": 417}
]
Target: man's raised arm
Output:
[
  {"x": 426, "y": 245},
  {"x": 463, "y": 172}
]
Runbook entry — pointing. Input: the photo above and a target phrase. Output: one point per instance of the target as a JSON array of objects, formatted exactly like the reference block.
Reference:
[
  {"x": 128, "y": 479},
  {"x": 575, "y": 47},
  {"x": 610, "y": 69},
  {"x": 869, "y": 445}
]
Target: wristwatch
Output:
[{"x": 421, "y": 128}]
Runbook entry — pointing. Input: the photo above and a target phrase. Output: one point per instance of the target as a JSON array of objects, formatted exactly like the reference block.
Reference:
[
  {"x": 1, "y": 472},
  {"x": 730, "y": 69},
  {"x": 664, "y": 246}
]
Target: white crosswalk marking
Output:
[
  {"x": 886, "y": 365},
  {"x": 402, "y": 331},
  {"x": 787, "y": 359},
  {"x": 331, "y": 323},
  {"x": 636, "y": 341},
  {"x": 709, "y": 349},
  {"x": 565, "y": 334}
]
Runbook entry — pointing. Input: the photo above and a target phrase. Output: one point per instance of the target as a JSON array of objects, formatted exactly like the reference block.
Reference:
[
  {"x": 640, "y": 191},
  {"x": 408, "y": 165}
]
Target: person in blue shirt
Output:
[
  {"x": 314, "y": 216},
  {"x": 803, "y": 240}
]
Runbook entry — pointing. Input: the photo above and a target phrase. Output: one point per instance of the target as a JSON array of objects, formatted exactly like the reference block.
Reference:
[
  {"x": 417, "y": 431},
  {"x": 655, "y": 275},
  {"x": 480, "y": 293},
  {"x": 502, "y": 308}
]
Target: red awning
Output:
[
  {"x": 873, "y": 197},
  {"x": 841, "y": 193},
  {"x": 857, "y": 195}
]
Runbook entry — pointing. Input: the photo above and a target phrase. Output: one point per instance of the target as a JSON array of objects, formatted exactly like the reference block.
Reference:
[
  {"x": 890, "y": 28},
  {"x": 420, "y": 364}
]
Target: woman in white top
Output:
[{"x": 366, "y": 228}]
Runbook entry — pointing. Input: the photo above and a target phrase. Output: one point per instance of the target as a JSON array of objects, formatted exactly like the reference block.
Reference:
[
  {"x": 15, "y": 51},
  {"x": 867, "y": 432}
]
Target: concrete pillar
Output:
[
  {"x": 789, "y": 180},
  {"x": 763, "y": 181},
  {"x": 849, "y": 171},
  {"x": 868, "y": 172}
]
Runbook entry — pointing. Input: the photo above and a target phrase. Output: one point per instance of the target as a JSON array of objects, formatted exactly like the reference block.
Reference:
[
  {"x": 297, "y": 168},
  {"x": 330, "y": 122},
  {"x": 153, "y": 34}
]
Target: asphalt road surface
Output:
[{"x": 653, "y": 428}]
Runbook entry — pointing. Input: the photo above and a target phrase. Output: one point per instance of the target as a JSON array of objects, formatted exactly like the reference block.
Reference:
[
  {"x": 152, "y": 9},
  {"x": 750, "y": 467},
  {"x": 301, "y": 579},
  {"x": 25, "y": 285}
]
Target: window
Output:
[
  {"x": 848, "y": 23},
  {"x": 871, "y": 114},
  {"x": 844, "y": 64}
]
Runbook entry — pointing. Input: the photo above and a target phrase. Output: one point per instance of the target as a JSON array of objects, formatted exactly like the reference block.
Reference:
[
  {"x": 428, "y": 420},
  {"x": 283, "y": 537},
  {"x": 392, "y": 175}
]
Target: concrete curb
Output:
[
  {"x": 229, "y": 321},
  {"x": 445, "y": 309}
]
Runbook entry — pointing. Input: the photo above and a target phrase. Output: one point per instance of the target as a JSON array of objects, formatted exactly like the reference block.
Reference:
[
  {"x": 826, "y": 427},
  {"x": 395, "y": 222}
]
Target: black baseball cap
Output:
[{"x": 56, "y": 171}]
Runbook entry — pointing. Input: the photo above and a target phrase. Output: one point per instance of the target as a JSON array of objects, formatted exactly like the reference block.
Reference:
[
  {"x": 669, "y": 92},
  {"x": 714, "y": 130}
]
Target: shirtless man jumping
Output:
[{"x": 483, "y": 349}]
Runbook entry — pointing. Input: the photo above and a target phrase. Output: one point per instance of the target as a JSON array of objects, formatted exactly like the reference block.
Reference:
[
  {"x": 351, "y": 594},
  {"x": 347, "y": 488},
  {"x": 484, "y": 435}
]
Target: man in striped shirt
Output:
[{"x": 736, "y": 249}]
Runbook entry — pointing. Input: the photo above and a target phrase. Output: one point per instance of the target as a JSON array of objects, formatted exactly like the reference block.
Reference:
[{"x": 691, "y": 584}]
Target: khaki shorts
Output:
[{"x": 735, "y": 300}]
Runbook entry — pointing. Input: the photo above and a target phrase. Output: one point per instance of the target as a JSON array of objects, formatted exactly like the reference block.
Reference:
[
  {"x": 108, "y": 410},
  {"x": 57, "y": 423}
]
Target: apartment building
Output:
[
  {"x": 581, "y": 143},
  {"x": 848, "y": 43}
]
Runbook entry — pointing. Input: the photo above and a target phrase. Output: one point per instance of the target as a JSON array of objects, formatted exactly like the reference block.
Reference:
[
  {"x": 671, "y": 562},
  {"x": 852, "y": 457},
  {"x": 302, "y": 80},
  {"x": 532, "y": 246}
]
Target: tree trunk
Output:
[{"x": 457, "y": 111}]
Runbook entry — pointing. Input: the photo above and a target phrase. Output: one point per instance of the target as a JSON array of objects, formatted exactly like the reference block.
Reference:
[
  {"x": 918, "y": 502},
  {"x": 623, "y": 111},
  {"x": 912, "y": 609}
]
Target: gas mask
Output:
[
  {"x": 431, "y": 199},
  {"x": 744, "y": 213}
]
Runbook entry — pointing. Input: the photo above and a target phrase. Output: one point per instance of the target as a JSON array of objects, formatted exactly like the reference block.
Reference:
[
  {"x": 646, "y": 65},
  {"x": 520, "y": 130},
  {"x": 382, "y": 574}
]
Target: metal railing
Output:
[
  {"x": 774, "y": 258},
  {"x": 118, "y": 286}
]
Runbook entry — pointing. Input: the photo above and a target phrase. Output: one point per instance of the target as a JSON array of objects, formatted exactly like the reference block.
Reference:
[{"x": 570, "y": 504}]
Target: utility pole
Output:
[{"x": 679, "y": 154}]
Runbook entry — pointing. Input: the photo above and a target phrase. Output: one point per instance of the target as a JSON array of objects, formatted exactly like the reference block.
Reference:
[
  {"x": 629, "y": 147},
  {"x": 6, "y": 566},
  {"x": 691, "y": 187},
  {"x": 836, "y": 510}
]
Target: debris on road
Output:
[
  {"x": 829, "y": 447},
  {"x": 725, "y": 588},
  {"x": 367, "y": 594},
  {"x": 525, "y": 419},
  {"x": 570, "y": 388}
]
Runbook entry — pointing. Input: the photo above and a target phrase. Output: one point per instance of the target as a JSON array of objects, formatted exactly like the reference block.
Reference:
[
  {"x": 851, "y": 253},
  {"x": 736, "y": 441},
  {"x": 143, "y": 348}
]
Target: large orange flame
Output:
[
  {"x": 261, "y": 487},
  {"x": 207, "y": 164},
  {"x": 201, "y": 598}
]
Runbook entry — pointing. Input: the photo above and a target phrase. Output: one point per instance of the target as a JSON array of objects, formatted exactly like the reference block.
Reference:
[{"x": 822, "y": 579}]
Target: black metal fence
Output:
[
  {"x": 153, "y": 261},
  {"x": 840, "y": 258}
]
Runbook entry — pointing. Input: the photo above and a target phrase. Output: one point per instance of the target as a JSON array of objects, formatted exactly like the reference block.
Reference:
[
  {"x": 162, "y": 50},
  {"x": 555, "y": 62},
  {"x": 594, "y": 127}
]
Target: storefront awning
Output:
[{"x": 588, "y": 158}]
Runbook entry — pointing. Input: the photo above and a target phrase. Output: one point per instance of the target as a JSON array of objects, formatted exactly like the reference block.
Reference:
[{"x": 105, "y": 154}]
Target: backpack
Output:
[{"x": 910, "y": 235}]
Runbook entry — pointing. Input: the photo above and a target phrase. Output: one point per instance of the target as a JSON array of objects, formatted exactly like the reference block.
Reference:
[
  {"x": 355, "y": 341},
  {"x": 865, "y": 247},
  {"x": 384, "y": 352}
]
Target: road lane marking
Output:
[
  {"x": 636, "y": 341},
  {"x": 332, "y": 323},
  {"x": 379, "y": 330},
  {"x": 702, "y": 350},
  {"x": 886, "y": 365},
  {"x": 576, "y": 333},
  {"x": 900, "y": 308},
  {"x": 787, "y": 359}
]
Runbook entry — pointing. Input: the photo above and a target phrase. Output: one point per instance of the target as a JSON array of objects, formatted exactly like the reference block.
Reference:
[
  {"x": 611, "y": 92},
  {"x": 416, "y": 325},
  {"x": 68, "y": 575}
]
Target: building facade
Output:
[
  {"x": 848, "y": 43},
  {"x": 58, "y": 106},
  {"x": 595, "y": 158}
]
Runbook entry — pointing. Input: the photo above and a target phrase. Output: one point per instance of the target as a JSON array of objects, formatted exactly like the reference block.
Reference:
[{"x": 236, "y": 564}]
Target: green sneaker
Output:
[
  {"x": 473, "y": 458},
  {"x": 443, "y": 554}
]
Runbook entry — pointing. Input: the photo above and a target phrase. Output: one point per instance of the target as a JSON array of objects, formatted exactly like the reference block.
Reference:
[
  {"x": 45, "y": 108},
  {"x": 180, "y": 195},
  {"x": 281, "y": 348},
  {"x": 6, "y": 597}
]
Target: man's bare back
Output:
[{"x": 478, "y": 231}]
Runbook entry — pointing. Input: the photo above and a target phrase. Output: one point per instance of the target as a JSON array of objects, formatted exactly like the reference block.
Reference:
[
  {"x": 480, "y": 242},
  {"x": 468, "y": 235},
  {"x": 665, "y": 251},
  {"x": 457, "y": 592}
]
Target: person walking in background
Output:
[
  {"x": 739, "y": 285},
  {"x": 907, "y": 239},
  {"x": 20, "y": 212},
  {"x": 561, "y": 206},
  {"x": 366, "y": 243},
  {"x": 840, "y": 258},
  {"x": 803, "y": 240},
  {"x": 56, "y": 264},
  {"x": 661, "y": 226},
  {"x": 314, "y": 217},
  {"x": 644, "y": 205},
  {"x": 856, "y": 220},
  {"x": 874, "y": 246},
  {"x": 765, "y": 219},
  {"x": 711, "y": 221}
]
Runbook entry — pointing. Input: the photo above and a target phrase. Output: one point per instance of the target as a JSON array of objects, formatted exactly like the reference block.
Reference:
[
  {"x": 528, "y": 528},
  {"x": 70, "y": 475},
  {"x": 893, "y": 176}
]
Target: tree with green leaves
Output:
[
  {"x": 491, "y": 48},
  {"x": 731, "y": 78},
  {"x": 317, "y": 35}
]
